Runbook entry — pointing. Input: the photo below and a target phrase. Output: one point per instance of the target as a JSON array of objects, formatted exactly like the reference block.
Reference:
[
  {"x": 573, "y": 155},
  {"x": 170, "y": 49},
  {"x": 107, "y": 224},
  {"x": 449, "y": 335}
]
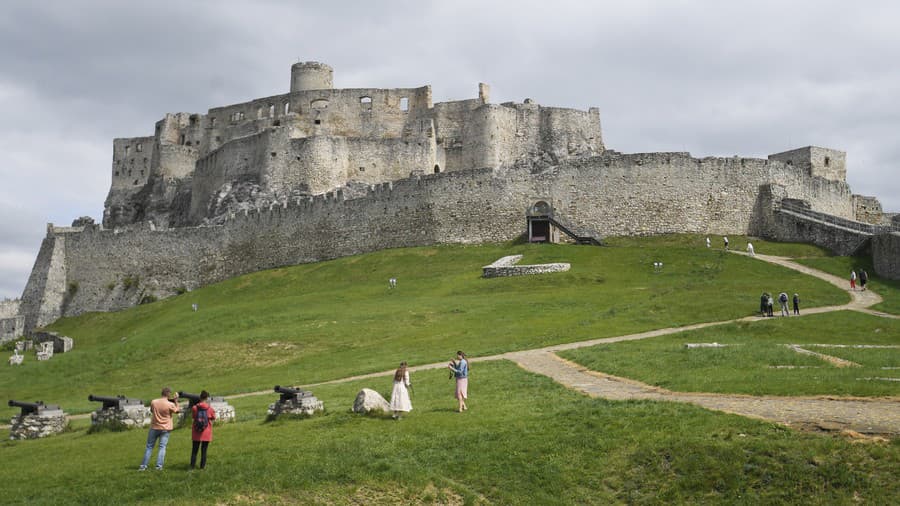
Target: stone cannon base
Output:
[
  {"x": 37, "y": 426},
  {"x": 304, "y": 406},
  {"x": 224, "y": 412},
  {"x": 131, "y": 416}
]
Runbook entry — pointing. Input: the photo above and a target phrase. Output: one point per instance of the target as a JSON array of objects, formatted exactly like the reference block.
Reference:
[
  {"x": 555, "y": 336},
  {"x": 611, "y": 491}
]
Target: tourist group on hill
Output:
[{"x": 166, "y": 406}]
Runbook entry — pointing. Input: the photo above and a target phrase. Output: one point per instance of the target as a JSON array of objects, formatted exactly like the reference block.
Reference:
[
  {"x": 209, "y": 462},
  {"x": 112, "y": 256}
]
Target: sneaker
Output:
[
  {"x": 142, "y": 468},
  {"x": 159, "y": 468}
]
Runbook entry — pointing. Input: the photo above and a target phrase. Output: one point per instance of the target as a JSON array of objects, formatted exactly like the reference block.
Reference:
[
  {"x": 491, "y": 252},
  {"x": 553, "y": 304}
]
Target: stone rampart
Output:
[
  {"x": 792, "y": 226},
  {"x": 93, "y": 269},
  {"x": 886, "y": 255}
]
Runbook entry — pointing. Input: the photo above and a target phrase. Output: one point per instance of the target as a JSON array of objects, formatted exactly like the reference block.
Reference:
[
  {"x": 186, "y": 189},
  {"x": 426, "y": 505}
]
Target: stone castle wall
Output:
[
  {"x": 886, "y": 255},
  {"x": 612, "y": 194}
]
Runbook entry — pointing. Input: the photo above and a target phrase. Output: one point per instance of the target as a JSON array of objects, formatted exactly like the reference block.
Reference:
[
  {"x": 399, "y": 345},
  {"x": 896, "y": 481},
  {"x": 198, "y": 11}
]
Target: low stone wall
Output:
[
  {"x": 61, "y": 344},
  {"x": 133, "y": 416},
  {"x": 886, "y": 255},
  {"x": 506, "y": 266},
  {"x": 38, "y": 425}
]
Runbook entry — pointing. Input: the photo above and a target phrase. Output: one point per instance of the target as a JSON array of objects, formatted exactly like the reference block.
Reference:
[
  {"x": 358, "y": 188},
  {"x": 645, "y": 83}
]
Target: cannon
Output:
[
  {"x": 291, "y": 394},
  {"x": 118, "y": 402},
  {"x": 195, "y": 398},
  {"x": 33, "y": 408}
]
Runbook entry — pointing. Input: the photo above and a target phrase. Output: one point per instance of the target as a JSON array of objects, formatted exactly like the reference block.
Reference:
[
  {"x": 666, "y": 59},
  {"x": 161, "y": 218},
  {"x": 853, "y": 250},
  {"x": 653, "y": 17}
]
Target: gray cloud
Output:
[{"x": 712, "y": 78}]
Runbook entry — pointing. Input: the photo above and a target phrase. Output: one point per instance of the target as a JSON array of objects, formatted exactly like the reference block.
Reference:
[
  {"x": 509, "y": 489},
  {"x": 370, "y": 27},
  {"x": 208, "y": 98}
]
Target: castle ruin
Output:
[{"x": 320, "y": 173}]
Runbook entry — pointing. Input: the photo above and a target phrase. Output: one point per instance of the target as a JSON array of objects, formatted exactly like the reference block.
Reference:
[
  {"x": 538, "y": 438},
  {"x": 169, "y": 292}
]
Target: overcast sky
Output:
[{"x": 709, "y": 77}]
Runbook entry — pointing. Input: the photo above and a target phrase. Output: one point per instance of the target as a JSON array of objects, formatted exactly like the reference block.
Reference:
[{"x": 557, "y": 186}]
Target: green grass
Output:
[
  {"x": 525, "y": 440},
  {"x": 736, "y": 243},
  {"x": 329, "y": 320},
  {"x": 841, "y": 266},
  {"x": 746, "y": 367}
]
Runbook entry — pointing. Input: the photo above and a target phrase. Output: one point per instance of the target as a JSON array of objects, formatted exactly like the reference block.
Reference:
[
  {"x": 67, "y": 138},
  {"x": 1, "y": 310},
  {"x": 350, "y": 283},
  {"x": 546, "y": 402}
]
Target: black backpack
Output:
[{"x": 201, "y": 422}]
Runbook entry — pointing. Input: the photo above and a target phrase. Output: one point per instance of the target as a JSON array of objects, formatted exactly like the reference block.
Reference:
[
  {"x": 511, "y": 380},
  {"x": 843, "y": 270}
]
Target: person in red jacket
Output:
[{"x": 201, "y": 430}]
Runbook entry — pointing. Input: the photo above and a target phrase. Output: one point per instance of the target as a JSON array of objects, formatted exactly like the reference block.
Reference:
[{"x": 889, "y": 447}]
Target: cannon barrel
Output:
[
  {"x": 189, "y": 396},
  {"x": 30, "y": 408},
  {"x": 286, "y": 390},
  {"x": 117, "y": 402},
  {"x": 104, "y": 399},
  {"x": 25, "y": 405},
  {"x": 192, "y": 398}
]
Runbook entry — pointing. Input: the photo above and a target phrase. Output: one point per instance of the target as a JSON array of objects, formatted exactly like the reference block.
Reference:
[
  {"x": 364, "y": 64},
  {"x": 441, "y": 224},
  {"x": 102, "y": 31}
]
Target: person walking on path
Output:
[
  {"x": 853, "y": 280},
  {"x": 750, "y": 249},
  {"x": 770, "y": 303},
  {"x": 161, "y": 411},
  {"x": 726, "y": 242},
  {"x": 796, "y": 304},
  {"x": 460, "y": 369},
  {"x": 201, "y": 430},
  {"x": 400, "y": 394},
  {"x": 783, "y": 300},
  {"x": 763, "y": 302},
  {"x": 863, "y": 279},
  {"x": 708, "y": 243}
]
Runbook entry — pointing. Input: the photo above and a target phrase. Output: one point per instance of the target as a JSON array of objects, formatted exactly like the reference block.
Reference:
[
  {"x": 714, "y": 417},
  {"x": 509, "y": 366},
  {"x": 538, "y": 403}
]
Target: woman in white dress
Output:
[{"x": 400, "y": 394}]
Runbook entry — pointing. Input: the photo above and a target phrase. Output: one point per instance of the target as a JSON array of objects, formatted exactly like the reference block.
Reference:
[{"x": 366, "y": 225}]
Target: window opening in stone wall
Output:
[
  {"x": 366, "y": 103},
  {"x": 790, "y": 162},
  {"x": 362, "y": 169},
  {"x": 140, "y": 147},
  {"x": 274, "y": 154},
  {"x": 271, "y": 110},
  {"x": 287, "y": 107},
  {"x": 212, "y": 121},
  {"x": 127, "y": 149},
  {"x": 319, "y": 104},
  {"x": 318, "y": 122},
  {"x": 117, "y": 173},
  {"x": 180, "y": 140},
  {"x": 404, "y": 104},
  {"x": 437, "y": 169},
  {"x": 193, "y": 120},
  {"x": 827, "y": 161},
  {"x": 277, "y": 122},
  {"x": 259, "y": 113},
  {"x": 241, "y": 115}
]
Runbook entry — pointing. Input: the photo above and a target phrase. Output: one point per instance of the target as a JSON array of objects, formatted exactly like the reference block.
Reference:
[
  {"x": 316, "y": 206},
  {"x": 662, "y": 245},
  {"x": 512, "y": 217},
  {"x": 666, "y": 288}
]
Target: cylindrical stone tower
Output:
[{"x": 311, "y": 75}]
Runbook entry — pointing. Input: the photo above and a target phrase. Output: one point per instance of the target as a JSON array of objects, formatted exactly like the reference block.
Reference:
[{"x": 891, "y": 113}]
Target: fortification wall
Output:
[
  {"x": 44, "y": 298},
  {"x": 611, "y": 194},
  {"x": 792, "y": 227},
  {"x": 240, "y": 160},
  {"x": 9, "y": 308},
  {"x": 886, "y": 255},
  {"x": 131, "y": 162}
]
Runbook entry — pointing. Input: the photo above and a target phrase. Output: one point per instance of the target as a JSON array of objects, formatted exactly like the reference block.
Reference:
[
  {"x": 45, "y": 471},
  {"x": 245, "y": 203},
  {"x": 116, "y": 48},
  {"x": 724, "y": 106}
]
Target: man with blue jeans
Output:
[{"x": 161, "y": 411}]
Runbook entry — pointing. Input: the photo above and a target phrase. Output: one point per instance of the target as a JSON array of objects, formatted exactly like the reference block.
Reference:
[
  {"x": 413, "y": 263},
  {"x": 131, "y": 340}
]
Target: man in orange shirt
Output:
[{"x": 161, "y": 410}]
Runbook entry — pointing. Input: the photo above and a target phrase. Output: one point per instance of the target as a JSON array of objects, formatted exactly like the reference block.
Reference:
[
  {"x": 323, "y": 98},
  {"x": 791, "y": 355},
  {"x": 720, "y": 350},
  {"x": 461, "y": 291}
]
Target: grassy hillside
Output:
[
  {"x": 333, "y": 319},
  {"x": 525, "y": 440}
]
